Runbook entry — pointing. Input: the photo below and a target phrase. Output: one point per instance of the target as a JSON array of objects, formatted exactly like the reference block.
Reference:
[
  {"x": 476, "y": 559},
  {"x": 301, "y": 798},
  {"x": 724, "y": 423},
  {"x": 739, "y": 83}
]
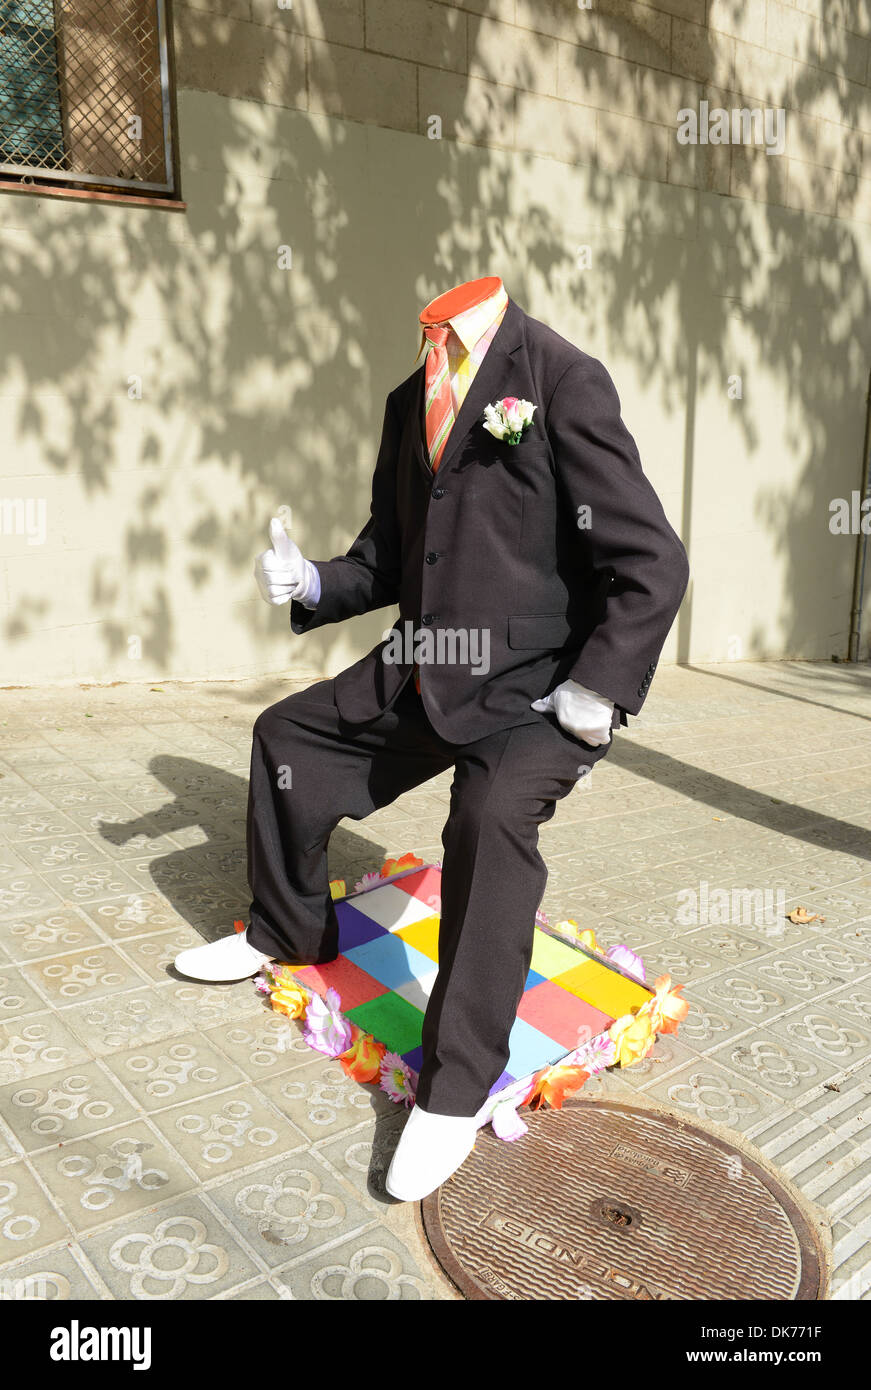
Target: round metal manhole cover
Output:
[{"x": 609, "y": 1201}]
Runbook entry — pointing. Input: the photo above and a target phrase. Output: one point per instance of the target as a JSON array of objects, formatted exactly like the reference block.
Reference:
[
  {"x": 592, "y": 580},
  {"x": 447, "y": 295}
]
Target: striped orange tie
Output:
[{"x": 439, "y": 406}]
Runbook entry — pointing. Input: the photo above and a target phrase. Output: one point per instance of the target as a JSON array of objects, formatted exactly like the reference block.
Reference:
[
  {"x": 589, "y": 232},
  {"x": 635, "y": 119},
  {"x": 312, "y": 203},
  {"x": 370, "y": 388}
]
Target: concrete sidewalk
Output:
[{"x": 163, "y": 1139}]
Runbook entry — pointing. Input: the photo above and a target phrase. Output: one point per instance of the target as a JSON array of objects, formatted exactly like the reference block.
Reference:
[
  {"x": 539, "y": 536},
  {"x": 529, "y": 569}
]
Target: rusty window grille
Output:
[{"x": 85, "y": 93}]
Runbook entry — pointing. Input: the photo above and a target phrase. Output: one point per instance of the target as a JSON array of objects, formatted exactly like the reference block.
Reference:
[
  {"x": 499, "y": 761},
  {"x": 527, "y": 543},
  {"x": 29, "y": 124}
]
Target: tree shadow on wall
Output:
[{"x": 273, "y": 381}]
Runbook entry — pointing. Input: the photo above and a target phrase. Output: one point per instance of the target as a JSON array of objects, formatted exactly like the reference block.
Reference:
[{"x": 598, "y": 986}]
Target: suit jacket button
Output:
[
  {"x": 438, "y": 492},
  {"x": 432, "y": 557},
  {"x": 427, "y": 619}
]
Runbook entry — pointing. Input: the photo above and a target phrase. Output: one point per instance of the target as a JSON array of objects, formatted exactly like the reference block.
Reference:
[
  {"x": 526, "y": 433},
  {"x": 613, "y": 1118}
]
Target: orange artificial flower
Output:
[
  {"x": 667, "y": 1010},
  {"x": 396, "y": 866},
  {"x": 362, "y": 1061},
  {"x": 553, "y": 1085},
  {"x": 633, "y": 1036},
  {"x": 288, "y": 997}
]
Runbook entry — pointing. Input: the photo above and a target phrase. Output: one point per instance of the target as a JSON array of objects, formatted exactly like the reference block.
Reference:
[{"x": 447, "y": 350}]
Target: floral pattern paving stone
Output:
[
  {"x": 270, "y": 1043},
  {"x": 373, "y": 1267},
  {"x": 80, "y": 976},
  {"x": 136, "y": 915},
  {"x": 181, "y": 1250},
  {"x": 289, "y": 1208},
  {"x": 26, "y": 894},
  {"x": 44, "y": 1111},
  {"x": 175, "y": 1070},
  {"x": 321, "y": 1100},
  {"x": 761, "y": 1056},
  {"x": 28, "y": 1221},
  {"x": 110, "y": 1025},
  {"x": 97, "y": 1180},
  {"x": 709, "y": 1092},
  {"x": 50, "y": 934},
  {"x": 154, "y": 955},
  {"x": 55, "y": 1276},
  {"x": 836, "y": 1030},
  {"x": 206, "y": 1005},
  {"x": 17, "y": 995},
  {"x": 35, "y": 1044},
  {"x": 220, "y": 1133}
]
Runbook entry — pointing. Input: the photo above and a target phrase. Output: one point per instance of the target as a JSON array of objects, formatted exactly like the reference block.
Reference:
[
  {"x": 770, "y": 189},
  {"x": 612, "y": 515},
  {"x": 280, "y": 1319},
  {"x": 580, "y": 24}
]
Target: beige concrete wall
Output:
[{"x": 685, "y": 268}]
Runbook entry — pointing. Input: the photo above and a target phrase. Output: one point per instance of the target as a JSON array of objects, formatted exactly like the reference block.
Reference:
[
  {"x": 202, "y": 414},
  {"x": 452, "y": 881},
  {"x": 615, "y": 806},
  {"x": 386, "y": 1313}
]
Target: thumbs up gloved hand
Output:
[
  {"x": 580, "y": 711},
  {"x": 283, "y": 573}
]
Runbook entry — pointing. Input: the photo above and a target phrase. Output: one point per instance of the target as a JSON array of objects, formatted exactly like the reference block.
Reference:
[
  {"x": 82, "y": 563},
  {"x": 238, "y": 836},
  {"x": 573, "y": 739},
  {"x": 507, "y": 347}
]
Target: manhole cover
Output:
[{"x": 611, "y": 1201}]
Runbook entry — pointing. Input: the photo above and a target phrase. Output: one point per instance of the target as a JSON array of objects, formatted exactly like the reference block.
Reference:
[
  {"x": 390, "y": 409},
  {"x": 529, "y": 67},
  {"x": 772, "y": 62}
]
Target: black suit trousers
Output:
[{"x": 310, "y": 769}]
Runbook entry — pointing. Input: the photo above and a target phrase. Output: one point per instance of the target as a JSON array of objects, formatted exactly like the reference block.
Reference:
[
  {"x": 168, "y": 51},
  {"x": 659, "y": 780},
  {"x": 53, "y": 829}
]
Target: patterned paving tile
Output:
[
  {"x": 763, "y": 1057},
  {"x": 709, "y": 1091},
  {"x": 140, "y": 914},
  {"x": 206, "y": 1005},
  {"x": 78, "y": 886},
  {"x": 35, "y": 1044},
  {"x": 809, "y": 972},
  {"x": 31, "y": 938},
  {"x": 707, "y": 1025},
  {"x": 110, "y": 1025},
  {"x": 289, "y": 1208},
  {"x": 322, "y": 1101},
  {"x": 268, "y": 1044},
  {"x": 681, "y": 961},
  {"x": 181, "y": 1250},
  {"x": 746, "y": 994},
  {"x": 27, "y": 894},
  {"x": 835, "y": 1028},
  {"x": 176, "y": 1069},
  {"x": 51, "y": 1109},
  {"x": 54, "y": 1275},
  {"x": 373, "y": 1267},
  {"x": 17, "y": 995},
  {"x": 111, "y": 1175},
  {"x": 219, "y": 1133},
  {"x": 154, "y": 955},
  {"x": 362, "y": 1156},
  {"x": 725, "y": 944},
  {"x": 78, "y": 976},
  {"x": 28, "y": 1220}
]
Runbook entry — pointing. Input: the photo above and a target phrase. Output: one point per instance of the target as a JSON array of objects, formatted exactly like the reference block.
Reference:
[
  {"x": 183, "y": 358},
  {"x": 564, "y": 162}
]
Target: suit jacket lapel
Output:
[{"x": 484, "y": 389}]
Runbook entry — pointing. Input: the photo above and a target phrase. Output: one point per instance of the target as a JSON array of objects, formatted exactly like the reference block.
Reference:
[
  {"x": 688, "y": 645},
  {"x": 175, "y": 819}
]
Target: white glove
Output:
[
  {"x": 283, "y": 573},
  {"x": 580, "y": 711}
]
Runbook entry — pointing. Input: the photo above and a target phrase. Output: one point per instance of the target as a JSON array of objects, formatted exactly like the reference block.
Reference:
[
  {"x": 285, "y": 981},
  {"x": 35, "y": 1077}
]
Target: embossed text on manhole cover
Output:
[{"x": 609, "y": 1201}]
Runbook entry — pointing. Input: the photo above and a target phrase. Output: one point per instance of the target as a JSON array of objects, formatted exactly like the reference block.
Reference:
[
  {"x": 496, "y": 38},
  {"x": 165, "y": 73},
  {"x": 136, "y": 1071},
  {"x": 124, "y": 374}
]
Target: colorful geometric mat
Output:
[{"x": 388, "y": 944}]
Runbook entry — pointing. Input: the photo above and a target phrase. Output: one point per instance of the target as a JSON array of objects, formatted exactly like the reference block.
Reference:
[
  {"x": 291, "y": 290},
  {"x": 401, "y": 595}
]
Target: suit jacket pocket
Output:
[{"x": 539, "y": 630}]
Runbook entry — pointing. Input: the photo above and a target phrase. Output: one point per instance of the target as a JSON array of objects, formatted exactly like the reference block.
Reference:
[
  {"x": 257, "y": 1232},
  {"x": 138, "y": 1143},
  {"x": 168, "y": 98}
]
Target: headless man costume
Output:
[{"x": 576, "y": 616}]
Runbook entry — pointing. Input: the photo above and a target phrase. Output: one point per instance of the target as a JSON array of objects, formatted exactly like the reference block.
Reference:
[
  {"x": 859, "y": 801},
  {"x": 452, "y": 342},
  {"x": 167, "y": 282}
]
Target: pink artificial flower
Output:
[
  {"x": 600, "y": 1053},
  {"x": 506, "y": 1122},
  {"x": 366, "y": 882},
  {"x": 627, "y": 960},
  {"x": 325, "y": 1029},
  {"x": 261, "y": 984},
  {"x": 397, "y": 1079}
]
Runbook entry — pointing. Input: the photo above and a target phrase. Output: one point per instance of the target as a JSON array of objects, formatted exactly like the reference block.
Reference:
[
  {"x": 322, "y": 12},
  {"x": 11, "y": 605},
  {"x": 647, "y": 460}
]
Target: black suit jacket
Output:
[{"x": 492, "y": 541}]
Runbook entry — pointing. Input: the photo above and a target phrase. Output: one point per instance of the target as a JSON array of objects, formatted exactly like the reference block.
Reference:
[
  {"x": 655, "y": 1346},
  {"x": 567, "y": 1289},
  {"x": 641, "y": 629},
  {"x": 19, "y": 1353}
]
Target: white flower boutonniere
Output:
[{"x": 508, "y": 418}]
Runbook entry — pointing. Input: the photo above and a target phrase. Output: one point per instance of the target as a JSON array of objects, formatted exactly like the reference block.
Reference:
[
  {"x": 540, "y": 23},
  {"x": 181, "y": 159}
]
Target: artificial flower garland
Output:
[{"x": 364, "y": 1059}]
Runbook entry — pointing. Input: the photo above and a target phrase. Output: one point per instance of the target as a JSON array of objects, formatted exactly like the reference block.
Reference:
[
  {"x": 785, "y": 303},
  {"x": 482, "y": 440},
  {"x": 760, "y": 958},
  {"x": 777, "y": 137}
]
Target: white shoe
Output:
[
  {"x": 229, "y": 958},
  {"x": 430, "y": 1149}
]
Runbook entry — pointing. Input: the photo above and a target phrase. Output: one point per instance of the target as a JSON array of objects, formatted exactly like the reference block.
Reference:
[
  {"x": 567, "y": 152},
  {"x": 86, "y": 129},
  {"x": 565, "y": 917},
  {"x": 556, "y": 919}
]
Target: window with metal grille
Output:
[{"x": 85, "y": 94}]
